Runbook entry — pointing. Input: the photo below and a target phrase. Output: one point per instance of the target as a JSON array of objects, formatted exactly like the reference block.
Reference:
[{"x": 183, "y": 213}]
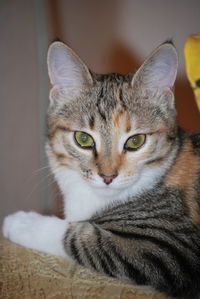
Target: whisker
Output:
[
  {"x": 49, "y": 178},
  {"x": 41, "y": 169},
  {"x": 39, "y": 184}
]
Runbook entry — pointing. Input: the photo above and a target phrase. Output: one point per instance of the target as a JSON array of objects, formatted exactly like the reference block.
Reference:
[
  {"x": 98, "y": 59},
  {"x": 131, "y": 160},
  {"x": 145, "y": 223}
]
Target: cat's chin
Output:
[{"x": 107, "y": 190}]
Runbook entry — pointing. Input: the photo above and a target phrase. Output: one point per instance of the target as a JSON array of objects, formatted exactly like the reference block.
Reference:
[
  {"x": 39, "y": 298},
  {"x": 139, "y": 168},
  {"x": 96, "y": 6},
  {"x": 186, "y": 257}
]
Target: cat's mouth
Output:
[
  {"x": 112, "y": 189},
  {"x": 106, "y": 190}
]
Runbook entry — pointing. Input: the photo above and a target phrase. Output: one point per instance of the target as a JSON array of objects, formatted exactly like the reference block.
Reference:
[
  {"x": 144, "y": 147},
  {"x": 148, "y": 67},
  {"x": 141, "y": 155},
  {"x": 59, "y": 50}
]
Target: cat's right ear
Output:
[{"x": 67, "y": 73}]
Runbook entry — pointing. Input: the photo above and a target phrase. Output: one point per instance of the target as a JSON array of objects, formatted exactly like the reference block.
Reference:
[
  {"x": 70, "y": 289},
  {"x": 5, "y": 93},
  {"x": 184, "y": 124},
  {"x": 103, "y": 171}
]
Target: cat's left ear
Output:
[{"x": 159, "y": 70}]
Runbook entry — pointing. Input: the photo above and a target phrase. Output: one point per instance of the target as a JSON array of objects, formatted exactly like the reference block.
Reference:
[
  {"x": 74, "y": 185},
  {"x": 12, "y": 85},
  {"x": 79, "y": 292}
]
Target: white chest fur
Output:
[{"x": 80, "y": 200}]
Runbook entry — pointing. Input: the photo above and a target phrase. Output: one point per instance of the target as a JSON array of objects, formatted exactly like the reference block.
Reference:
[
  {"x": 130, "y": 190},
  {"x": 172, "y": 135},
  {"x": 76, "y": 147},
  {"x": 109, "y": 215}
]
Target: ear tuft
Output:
[
  {"x": 66, "y": 70},
  {"x": 159, "y": 69}
]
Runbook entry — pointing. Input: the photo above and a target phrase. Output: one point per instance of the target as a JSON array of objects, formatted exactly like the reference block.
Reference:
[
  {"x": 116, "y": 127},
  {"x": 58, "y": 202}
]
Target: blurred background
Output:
[{"x": 109, "y": 36}]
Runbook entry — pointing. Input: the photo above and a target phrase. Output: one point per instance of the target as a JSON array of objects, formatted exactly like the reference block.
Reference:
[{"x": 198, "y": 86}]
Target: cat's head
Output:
[{"x": 115, "y": 131}]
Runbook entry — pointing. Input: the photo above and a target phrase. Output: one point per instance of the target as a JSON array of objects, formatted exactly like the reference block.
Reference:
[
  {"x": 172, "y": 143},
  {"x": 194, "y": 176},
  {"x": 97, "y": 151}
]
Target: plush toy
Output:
[{"x": 192, "y": 61}]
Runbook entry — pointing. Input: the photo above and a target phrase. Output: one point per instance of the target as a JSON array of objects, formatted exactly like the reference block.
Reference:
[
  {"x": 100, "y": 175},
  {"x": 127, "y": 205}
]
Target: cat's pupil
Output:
[
  {"x": 134, "y": 140},
  {"x": 84, "y": 138}
]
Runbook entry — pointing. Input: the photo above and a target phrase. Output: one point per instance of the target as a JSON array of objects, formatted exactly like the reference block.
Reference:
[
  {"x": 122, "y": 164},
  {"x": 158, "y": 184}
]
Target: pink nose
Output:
[{"x": 108, "y": 178}]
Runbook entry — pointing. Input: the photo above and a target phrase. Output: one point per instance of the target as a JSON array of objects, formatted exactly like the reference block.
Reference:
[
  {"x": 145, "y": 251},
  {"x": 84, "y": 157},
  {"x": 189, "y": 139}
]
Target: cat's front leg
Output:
[{"x": 35, "y": 231}]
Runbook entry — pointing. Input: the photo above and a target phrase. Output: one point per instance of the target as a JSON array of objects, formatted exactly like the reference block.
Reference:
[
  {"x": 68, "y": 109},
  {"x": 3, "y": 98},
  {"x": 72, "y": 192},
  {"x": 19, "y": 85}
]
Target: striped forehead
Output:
[{"x": 109, "y": 95}]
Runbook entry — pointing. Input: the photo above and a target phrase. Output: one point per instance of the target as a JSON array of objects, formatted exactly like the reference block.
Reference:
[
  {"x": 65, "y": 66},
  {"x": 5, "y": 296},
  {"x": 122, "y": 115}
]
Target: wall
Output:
[{"x": 20, "y": 106}]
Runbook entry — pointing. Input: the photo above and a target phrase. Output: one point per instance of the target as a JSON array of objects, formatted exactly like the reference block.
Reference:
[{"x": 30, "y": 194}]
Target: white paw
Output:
[
  {"x": 19, "y": 225},
  {"x": 35, "y": 231}
]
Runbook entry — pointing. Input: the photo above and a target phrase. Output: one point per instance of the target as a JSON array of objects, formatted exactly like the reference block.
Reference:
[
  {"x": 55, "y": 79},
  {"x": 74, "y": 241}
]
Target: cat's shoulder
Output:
[{"x": 194, "y": 137}]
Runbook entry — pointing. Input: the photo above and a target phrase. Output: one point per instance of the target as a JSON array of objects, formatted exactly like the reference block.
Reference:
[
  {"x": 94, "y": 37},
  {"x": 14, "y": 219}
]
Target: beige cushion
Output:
[{"x": 26, "y": 273}]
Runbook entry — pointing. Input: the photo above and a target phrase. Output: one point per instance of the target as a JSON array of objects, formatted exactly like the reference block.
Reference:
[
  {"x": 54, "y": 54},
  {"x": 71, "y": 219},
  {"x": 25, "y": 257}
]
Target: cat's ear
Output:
[
  {"x": 159, "y": 69},
  {"x": 67, "y": 73}
]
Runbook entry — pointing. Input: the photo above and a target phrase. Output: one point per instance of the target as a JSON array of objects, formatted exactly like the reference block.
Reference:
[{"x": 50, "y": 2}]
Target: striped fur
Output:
[
  {"x": 150, "y": 240},
  {"x": 144, "y": 227}
]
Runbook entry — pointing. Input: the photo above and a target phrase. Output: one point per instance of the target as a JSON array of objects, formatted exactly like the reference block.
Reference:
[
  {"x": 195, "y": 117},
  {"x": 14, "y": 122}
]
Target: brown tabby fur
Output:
[
  {"x": 184, "y": 175},
  {"x": 147, "y": 233}
]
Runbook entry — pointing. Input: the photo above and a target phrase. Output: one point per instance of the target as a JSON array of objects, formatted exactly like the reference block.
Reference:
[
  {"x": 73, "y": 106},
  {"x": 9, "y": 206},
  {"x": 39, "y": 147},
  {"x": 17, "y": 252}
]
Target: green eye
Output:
[
  {"x": 135, "y": 142},
  {"x": 83, "y": 139}
]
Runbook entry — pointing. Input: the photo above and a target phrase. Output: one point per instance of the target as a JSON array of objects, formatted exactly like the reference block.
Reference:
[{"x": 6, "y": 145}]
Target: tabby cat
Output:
[{"x": 129, "y": 176}]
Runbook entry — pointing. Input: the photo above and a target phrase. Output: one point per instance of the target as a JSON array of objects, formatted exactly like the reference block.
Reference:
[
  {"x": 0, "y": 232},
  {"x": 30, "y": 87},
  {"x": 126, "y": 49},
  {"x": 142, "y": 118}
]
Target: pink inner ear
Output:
[
  {"x": 160, "y": 69},
  {"x": 63, "y": 70},
  {"x": 161, "y": 75},
  {"x": 66, "y": 69}
]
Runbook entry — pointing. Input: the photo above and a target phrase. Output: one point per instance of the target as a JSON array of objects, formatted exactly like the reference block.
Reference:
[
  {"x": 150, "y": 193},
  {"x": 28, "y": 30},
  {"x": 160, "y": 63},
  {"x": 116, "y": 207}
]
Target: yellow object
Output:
[{"x": 192, "y": 61}]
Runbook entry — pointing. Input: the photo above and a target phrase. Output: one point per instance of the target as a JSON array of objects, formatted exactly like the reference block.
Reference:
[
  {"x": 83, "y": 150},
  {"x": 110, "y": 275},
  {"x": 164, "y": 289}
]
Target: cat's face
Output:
[{"x": 114, "y": 131}]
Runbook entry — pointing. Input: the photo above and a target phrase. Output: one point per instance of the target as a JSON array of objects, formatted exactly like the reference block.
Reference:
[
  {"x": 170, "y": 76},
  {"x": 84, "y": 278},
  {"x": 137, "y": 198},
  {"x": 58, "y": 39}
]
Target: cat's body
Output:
[
  {"x": 151, "y": 239},
  {"x": 130, "y": 177}
]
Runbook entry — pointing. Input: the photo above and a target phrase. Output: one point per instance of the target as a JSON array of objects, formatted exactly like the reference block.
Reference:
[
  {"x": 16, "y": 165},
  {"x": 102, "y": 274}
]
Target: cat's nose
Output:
[{"x": 108, "y": 178}]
